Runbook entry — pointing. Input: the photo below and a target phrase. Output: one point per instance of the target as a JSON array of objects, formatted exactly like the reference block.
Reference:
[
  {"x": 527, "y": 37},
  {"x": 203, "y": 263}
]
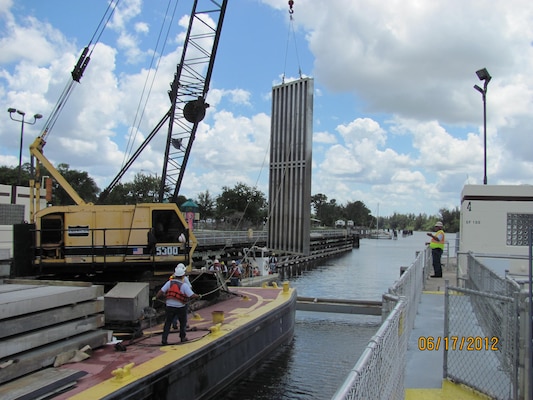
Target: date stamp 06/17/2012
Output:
[{"x": 461, "y": 343}]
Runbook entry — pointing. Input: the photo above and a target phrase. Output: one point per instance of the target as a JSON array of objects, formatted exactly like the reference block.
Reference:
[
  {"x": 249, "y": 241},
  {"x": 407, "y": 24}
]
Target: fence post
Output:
[
  {"x": 446, "y": 329},
  {"x": 524, "y": 386}
]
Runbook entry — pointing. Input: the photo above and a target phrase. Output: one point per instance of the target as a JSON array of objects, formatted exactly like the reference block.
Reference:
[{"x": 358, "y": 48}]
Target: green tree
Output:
[
  {"x": 317, "y": 202},
  {"x": 144, "y": 188},
  {"x": 9, "y": 175},
  {"x": 80, "y": 181},
  {"x": 120, "y": 195},
  {"x": 401, "y": 221},
  {"x": 420, "y": 222},
  {"x": 451, "y": 219},
  {"x": 331, "y": 212},
  {"x": 206, "y": 204},
  {"x": 327, "y": 211},
  {"x": 357, "y": 212},
  {"x": 242, "y": 203}
]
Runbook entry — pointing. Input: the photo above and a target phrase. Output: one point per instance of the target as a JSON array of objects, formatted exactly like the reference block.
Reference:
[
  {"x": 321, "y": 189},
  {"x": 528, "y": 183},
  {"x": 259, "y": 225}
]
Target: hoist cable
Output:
[
  {"x": 241, "y": 219},
  {"x": 296, "y": 49},
  {"x": 143, "y": 101},
  {"x": 109, "y": 10},
  {"x": 289, "y": 31},
  {"x": 78, "y": 70}
]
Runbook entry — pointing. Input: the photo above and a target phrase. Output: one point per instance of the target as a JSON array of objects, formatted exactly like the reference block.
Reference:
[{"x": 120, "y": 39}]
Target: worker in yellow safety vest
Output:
[{"x": 437, "y": 247}]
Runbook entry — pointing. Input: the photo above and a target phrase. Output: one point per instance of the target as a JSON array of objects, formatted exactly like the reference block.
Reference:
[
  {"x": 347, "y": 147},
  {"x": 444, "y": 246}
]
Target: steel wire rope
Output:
[
  {"x": 105, "y": 25},
  {"x": 248, "y": 203},
  {"x": 82, "y": 63},
  {"x": 210, "y": 292},
  {"x": 141, "y": 107},
  {"x": 152, "y": 334},
  {"x": 289, "y": 31},
  {"x": 217, "y": 288},
  {"x": 291, "y": 28},
  {"x": 276, "y": 196}
]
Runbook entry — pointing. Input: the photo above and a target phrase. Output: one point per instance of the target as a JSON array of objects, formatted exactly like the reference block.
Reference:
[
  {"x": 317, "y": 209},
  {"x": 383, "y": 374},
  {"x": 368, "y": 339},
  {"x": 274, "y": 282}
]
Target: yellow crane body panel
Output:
[{"x": 153, "y": 235}]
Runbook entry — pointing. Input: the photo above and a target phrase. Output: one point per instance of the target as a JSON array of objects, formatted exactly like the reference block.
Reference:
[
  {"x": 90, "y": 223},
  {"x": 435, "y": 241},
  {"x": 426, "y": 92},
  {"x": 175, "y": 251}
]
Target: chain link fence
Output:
[
  {"x": 482, "y": 279},
  {"x": 380, "y": 371},
  {"x": 482, "y": 331},
  {"x": 480, "y": 341},
  {"x": 481, "y": 336}
]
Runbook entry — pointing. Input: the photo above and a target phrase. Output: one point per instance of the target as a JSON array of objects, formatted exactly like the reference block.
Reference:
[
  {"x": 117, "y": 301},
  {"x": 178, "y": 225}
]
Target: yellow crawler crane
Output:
[
  {"x": 85, "y": 238},
  {"x": 90, "y": 238}
]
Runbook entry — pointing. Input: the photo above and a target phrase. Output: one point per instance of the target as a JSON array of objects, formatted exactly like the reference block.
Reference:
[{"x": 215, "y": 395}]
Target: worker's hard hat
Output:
[
  {"x": 439, "y": 224},
  {"x": 179, "y": 270},
  {"x": 216, "y": 262},
  {"x": 233, "y": 262}
]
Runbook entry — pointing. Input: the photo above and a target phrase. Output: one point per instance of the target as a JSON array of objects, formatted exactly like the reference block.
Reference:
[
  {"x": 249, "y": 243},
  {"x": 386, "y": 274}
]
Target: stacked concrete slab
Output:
[{"x": 43, "y": 322}]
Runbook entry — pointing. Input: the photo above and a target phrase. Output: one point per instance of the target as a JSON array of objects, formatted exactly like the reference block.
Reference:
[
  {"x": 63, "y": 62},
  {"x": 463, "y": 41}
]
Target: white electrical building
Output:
[{"x": 495, "y": 222}]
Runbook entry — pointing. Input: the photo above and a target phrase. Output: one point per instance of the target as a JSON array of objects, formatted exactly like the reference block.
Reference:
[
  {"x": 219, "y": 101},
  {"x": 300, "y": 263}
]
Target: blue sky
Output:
[{"x": 396, "y": 119}]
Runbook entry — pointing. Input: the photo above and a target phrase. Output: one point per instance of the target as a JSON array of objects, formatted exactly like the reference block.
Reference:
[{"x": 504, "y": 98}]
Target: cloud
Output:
[
  {"x": 31, "y": 41},
  {"x": 396, "y": 118},
  {"x": 324, "y": 137}
]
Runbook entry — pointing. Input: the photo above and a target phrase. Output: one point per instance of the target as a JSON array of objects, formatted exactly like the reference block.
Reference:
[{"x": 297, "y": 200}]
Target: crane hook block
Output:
[
  {"x": 291, "y": 3},
  {"x": 194, "y": 111}
]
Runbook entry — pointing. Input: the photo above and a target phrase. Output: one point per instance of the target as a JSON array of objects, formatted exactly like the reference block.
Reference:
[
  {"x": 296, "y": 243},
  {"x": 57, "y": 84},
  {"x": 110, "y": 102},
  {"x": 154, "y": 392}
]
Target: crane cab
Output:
[{"x": 83, "y": 238}]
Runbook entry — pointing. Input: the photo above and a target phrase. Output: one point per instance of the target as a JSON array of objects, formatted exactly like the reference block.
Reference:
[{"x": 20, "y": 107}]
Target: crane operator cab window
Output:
[
  {"x": 167, "y": 226},
  {"x": 51, "y": 236}
]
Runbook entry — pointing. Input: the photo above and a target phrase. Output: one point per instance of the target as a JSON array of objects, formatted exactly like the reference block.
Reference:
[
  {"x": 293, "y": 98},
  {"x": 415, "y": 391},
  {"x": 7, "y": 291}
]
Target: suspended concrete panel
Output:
[{"x": 291, "y": 138}]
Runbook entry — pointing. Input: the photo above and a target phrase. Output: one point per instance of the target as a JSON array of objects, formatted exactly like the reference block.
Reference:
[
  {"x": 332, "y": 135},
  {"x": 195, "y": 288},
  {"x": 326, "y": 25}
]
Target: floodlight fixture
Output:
[
  {"x": 22, "y": 123},
  {"x": 483, "y": 75}
]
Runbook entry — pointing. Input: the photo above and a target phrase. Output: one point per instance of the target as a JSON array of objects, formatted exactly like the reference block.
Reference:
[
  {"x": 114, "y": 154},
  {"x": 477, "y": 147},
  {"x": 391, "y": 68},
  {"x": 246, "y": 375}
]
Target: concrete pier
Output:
[{"x": 342, "y": 306}]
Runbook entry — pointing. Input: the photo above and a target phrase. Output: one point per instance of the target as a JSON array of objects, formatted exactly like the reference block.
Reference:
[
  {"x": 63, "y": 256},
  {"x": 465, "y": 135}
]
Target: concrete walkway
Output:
[{"x": 424, "y": 368}]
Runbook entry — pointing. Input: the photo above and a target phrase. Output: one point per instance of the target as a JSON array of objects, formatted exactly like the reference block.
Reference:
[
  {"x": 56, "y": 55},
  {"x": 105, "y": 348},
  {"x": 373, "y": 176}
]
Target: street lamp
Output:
[
  {"x": 22, "y": 114},
  {"x": 484, "y": 75}
]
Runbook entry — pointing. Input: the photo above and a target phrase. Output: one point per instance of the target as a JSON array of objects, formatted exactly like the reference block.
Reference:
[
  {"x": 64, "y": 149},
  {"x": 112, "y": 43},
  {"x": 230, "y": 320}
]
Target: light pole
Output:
[
  {"x": 22, "y": 114},
  {"x": 484, "y": 75}
]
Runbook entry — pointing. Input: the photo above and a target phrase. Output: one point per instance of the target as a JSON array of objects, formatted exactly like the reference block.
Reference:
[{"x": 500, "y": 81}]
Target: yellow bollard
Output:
[
  {"x": 218, "y": 317},
  {"x": 122, "y": 373},
  {"x": 215, "y": 329},
  {"x": 196, "y": 316}
]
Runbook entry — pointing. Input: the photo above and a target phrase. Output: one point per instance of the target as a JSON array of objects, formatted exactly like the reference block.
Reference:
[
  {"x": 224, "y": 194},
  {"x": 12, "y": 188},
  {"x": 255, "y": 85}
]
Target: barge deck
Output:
[{"x": 255, "y": 323}]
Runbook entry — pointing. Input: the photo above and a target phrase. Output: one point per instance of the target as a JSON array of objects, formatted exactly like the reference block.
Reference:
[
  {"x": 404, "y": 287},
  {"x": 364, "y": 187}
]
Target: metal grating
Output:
[
  {"x": 11, "y": 214},
  {"x": 518, "y": 229},
  {"x": 290, "y": 167}
]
